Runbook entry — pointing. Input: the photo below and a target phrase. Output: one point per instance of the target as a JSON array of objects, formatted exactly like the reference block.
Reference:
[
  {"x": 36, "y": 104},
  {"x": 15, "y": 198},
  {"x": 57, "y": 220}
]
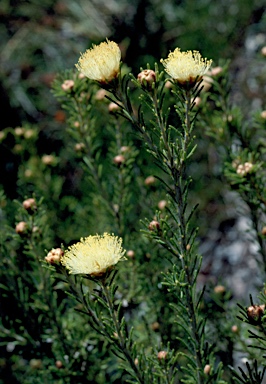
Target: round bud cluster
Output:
[
  {"x": 263, "y": 113},
  {"x": 263, "y": 231},
  {"x": 113, "y": 107},
  {"x": 48, "y": 159},
  {"x": 162, "y": 355},
  {"x": 206, "y": 82},
  {"x": 216, "y": 71},
  {"x": 130, "y": 254},
  {"x": 219, "y": 289},
  {"x": 119, "y": 160},
  {"x": 22, "y": 228},
  {"x": 197, "y": 101},
  {"x": 243, "y": 169},
  {"x": 150, "y": 180},
  {"x": 29, "y": 134},
  {"x": 124, "y": 149},
  {"x": 29, "y": 205},
  {"x": 162, "y": 204},
  {"x": 54, "y": 256},
  {"x": 79, "y": 147},
  {"x": 100, "y": 94},
  {"x": 147, "y": 77},
  {"x": 67, "y": 85},
  {"x": 255, "y": 313},
  {"x": 155, "y": 326},
  {"x": 19, "y": 131},
  {"x": 154, "y": 225},
  {"x": 207, "y": 369},
  {"x": 263, "y": 51},
  {"x": 58, "y": 364}
]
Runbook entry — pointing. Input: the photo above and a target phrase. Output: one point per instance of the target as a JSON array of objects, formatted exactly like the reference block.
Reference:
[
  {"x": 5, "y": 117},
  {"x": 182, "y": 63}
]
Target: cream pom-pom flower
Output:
[
  {"x": 93, "y": 255},
  {"x": 101, "y": 62},
  {"x": 186, "y": 68}
]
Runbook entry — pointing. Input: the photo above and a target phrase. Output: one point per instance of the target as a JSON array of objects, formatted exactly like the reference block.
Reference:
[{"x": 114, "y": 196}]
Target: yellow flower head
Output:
[
  {"x": 93, "y": 254},
  {"x": 101, "y": 63},
  {"x": 187, "y": 68}
]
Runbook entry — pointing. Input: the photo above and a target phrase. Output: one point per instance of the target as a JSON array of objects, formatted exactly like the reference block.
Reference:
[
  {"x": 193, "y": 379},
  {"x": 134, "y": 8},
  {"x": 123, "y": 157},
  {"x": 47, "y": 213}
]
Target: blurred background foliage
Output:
[
  {"x": 39, "y": 40},
  {"x": 38, "y": 155}
]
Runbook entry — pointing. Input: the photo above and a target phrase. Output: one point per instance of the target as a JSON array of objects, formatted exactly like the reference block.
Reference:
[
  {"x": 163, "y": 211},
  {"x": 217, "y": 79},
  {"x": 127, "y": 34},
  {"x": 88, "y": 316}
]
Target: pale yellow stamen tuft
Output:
[
  {"x": 101, "y": 63},
  {"x": 186, "y": 67},
  {"x": 93, "y": 255}
]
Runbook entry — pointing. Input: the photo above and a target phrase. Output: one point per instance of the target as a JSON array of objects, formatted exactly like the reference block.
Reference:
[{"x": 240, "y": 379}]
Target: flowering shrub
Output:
[{"x": 80, "y": 315}]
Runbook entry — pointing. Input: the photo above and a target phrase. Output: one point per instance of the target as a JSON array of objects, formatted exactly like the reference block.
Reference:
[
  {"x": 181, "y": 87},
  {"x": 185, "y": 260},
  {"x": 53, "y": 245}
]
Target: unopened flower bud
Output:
[
  {"x": 22, "y": 228},
  {"x": 58, "y": 364},
  {"x": 79, "y": 147},
  {"x": 197, "y": 101},
  {"x": 35, "y": 229},
  {"x": 216, "y": 71},
  {"x": 19, "y": 131},
  {"x": 147, "y": 77},
  {"x": 234, "y": 328},
  {"x": 150, "y": 180},
  {"x": 28, "y": 173},
  {"x": 48, "y": 159},
  {"x": 154, "y": 225},
  {"x": 248, "y": 166},
  {"x": 29, "y": 134},
  {"x": 29, "y": 205},
  {"x": 219, "y": 289},
  {"x": 263, "y": 231},
  {"x": 100, "y": 94},
  {"x": 162, "y": 355},
  {"x": 207, "y": 369},
  {"x": 263, "y": 51},
  {"x": 119, "y": 160},
  {"x": 124, "y": 149},
  {"x": 243, "y": 169},
  {"x": 240, "y": 169},
  {"x": 54, "y": 256},
  {"x": 113, "y": 107},
  {"x": 131, "y": 254},
  {"x": 136, "y": 361},
  {"x": 168, "y": 84},
  {"x": 155, "y": 326},
  {"x": 67, "y": 85},
  {"x": 263, "y": 113},
  {"x": 206, "y": 82},
  {"x": 255, "y": 313},
  {"x": 162, "y": 204}
]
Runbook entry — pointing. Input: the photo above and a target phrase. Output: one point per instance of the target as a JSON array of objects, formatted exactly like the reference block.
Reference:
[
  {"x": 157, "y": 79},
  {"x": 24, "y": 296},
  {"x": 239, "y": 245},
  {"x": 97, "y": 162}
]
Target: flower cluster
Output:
[
  {"x": 243, "y": 169},
  {"x": 93, "y": 255},
  {"x": 54, "y": 256},
  {"x": 101, "y": 63},
  {"x": 186, "y": 68}
]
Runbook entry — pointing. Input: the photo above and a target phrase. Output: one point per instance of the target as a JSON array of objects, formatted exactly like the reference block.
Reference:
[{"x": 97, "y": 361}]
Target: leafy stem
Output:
[{"x": 122, "y": 341}]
